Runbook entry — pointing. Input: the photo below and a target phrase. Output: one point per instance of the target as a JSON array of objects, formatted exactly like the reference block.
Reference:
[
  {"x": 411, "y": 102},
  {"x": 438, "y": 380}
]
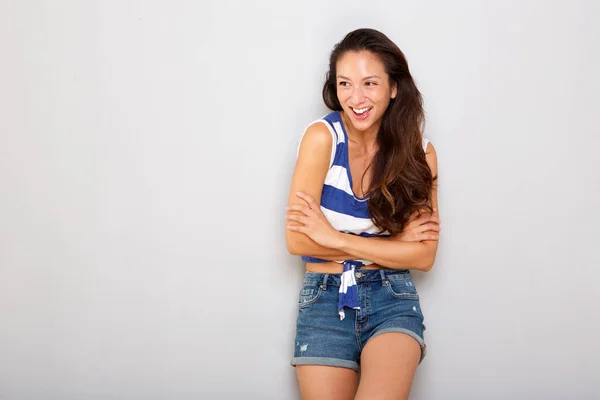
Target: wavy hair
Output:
[{"x": 402, "y": 181}]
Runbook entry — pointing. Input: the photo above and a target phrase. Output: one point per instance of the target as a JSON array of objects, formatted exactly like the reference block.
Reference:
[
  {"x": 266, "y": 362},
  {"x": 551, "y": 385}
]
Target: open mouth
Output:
[{"x": 361, "y": 113}]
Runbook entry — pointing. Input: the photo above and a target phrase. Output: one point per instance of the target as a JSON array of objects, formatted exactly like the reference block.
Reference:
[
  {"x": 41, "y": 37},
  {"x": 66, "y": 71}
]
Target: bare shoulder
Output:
[
  {"x": 316, "y": 138},
  {"x": 312, "y": 164},
  {"x": 431, "y": 156}
]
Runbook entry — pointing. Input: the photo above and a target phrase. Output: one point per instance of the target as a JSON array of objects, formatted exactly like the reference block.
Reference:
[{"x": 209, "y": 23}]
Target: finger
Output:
[
  {"x": 425, "y": 218},
  {"x": 413, "y": 217},
  {"x": 297, "y": 218},
  {"x": 419, "y": 214},
  {"x": 425, "y": 210},
  {"x": 430, "y": 236},
  {"x": 302, "y": 210},
  {"x": 297, "y": 213},
  {"x": 297, "y": 207},
  {"x": 411, "y": 239},
  {"x": 296, "y": 228},
  {"x": 309, "y": 200},
  {"x": 415, "y": 223},
  {"x": 430, "y": 226}
]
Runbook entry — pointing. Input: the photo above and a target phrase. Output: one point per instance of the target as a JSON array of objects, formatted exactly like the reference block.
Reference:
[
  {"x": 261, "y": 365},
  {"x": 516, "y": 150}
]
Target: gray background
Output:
[{"x": 146, "y": 151}]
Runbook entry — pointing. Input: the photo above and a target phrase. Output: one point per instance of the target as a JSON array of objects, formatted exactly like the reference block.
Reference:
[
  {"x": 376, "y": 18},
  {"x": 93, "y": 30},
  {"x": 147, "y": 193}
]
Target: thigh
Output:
[
  {"x": 318, "y": 382},
  {"x": 388, "y": 365}
]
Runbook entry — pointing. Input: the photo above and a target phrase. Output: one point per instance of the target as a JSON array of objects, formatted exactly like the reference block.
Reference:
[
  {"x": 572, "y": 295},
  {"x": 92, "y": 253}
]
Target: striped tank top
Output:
[{"x": 345, "y": 211}]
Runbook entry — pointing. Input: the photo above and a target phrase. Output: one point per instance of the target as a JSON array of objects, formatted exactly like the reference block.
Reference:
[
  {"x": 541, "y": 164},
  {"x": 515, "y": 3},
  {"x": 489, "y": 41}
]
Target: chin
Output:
[
  {"x": 359, "y": 125},
  {"x": 362, "y": 125},
  {"x": 365, "y": 124}
]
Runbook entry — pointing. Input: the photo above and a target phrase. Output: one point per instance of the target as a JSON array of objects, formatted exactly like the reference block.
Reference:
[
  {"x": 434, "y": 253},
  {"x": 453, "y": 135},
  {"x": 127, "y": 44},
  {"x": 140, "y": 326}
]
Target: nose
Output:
[{"x": 358, "y": 95}]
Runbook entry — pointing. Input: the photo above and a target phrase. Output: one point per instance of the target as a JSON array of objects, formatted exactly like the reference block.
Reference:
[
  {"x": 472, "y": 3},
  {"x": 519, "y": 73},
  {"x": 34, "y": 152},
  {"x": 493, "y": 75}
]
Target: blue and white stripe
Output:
[{"x": 345, "y": 211}]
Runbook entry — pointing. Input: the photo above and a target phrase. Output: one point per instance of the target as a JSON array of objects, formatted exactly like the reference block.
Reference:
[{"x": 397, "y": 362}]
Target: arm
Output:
[
  {"x": 309, "y": 176},
  {"x": 395, "y": 253},
  {"x": 392, "y": 252}
]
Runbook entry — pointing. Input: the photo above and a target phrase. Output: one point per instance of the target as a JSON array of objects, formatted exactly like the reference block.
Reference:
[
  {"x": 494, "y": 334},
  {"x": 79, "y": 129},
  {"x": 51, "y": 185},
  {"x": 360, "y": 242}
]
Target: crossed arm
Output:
[
  {"x": 309, "y": 233},
  {"x": 414, "y": 248}
]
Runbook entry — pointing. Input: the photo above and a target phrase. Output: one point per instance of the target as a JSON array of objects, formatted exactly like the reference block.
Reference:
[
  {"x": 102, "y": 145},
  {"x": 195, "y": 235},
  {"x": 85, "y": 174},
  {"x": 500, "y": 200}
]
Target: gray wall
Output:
[{"x": 146, "y": 150}]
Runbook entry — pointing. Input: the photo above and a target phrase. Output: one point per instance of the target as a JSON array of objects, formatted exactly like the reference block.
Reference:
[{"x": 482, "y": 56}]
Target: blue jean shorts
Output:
[{"x": 388, "y": 303}]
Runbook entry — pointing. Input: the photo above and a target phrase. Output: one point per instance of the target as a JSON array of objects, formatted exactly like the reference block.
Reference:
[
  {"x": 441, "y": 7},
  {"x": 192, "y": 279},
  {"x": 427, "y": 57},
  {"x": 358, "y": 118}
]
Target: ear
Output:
[{"x": 394, "y": 90}]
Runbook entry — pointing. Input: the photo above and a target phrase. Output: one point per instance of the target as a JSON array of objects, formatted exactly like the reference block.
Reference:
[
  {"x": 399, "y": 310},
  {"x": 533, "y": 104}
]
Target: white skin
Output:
[{"x": 388, "y": 361}]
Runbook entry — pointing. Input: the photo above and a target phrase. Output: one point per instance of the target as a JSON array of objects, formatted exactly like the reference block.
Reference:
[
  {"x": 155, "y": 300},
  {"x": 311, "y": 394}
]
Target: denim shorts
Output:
[{"x": 388, "y": 303}]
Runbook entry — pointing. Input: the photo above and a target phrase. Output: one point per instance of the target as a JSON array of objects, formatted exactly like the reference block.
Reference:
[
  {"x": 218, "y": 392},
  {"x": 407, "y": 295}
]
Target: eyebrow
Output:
[{"x": 364, "y": 79}]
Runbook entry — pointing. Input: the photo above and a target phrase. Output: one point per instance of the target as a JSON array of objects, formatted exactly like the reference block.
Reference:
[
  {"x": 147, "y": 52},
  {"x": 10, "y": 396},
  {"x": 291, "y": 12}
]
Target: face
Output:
[{"x": 363, "y": 88}]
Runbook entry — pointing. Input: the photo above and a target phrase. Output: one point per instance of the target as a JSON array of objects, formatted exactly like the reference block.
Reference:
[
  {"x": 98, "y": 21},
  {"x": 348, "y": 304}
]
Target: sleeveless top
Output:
[{"x": 345, "y": 211}]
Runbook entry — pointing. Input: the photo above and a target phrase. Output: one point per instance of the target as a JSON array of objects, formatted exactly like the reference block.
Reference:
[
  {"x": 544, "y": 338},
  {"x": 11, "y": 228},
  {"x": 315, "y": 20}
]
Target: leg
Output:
[
  {"x": 388, "y": 365},
  {"x": 319, "y": 382}
]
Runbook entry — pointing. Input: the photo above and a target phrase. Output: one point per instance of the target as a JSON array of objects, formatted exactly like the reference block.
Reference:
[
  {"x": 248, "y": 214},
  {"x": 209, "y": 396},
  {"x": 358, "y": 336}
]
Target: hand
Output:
[
  {"x": 313, "y": 222},
  {"x": 419, "y": 228}
]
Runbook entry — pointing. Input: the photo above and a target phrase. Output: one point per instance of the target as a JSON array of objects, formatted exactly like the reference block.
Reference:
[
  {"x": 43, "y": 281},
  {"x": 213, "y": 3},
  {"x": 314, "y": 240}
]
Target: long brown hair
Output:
[{"x": 402, "y": 181}]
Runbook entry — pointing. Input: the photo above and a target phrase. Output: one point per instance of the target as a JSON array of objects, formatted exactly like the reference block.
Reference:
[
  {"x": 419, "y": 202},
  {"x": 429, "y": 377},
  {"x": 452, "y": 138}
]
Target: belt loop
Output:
[
  {"x": 324, "y": 284},
  {"x": 383, "y": 278}
]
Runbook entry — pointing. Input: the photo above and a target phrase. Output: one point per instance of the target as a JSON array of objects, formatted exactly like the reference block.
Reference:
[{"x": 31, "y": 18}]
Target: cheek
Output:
[
  {"x": 376, "y": 92},
  {"x": 382, "y": 96},
  {"x": 384, "y": 102},
  {"x": 343, "y": 93}
]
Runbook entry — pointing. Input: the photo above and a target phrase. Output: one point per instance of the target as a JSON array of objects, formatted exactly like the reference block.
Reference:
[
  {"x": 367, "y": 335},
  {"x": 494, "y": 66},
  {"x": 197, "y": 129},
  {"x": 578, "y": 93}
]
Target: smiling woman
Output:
[
  {"x": 362, "y": 212},
  {"x": 362, "y": 95}
]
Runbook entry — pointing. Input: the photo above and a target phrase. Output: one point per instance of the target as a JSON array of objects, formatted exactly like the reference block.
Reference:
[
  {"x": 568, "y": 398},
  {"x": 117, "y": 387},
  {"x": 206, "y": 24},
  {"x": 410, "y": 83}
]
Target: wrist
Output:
[{"x": 340, "y": 240}]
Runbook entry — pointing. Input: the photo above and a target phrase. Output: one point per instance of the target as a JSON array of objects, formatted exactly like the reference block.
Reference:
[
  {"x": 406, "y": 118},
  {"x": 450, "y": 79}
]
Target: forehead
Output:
[{"x": 359, "y": 63}]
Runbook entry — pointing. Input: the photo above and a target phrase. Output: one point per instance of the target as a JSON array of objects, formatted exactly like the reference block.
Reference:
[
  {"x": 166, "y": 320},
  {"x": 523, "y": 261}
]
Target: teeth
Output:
[{"x": 361, "y": 110}]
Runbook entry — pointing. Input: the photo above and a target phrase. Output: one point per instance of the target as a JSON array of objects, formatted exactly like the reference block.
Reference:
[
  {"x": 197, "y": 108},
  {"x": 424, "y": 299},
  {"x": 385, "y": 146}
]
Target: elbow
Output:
[
  {"x": 429, "y": 264},
  {"x": 298, "y": 244},
  {"x": 427, "y": 267},
  {"x": 426, "y": 263},
  {"x": 291, "y": 247},
  {"x": 293, "y": 250},
  {"x": 427, "y": 258},
  {"x": 291, "y": 241}
]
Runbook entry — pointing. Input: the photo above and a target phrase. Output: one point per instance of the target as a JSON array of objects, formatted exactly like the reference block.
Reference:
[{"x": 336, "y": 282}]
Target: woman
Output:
[{"x": 376, "y": 178}]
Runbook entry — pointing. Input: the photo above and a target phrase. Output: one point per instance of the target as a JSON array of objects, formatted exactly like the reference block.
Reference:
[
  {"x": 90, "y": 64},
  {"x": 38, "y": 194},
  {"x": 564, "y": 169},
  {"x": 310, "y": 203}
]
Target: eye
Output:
[
  {"x": 342, "y": 83},
  {"x": 371, "y": 83}
]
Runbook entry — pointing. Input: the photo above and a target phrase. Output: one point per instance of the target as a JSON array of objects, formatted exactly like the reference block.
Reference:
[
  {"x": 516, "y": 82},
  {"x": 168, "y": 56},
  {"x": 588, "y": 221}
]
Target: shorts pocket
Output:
[
  {"x": 402, "y": 288},
  {"x": 309, "y": 294}
]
